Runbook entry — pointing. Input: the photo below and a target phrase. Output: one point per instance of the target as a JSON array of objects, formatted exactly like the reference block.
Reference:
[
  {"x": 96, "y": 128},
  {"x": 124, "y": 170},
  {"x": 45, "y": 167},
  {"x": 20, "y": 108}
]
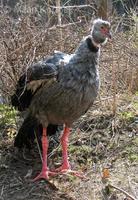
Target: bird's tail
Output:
[{"x": 29, "y": 130}]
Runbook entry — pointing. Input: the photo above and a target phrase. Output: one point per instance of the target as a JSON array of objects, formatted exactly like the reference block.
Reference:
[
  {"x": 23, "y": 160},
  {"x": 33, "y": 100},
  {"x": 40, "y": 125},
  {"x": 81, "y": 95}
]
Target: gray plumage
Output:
[
  {"x": 65, "y": 86},
  {"x": 66, "y": 98}
]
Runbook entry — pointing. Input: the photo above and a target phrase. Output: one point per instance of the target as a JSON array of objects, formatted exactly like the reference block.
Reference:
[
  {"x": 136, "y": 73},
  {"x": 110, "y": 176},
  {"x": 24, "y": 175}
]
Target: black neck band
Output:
[{"x": 91, "y": 45}]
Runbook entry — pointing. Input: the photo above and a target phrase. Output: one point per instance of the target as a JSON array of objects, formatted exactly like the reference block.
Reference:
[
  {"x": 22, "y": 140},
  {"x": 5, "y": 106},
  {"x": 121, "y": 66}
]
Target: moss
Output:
[
  {"x": 133, "y": 157},
  {"x": 131, "y": 151},
  {"x": 135, "y": 105},
  {"x": 7, "y": 115},
  {"x": 82, "y": 154},
  {"x": 136, "y": 141},
  {"x": 128, "y": 115},
  {"x": 80, "y": 149}
]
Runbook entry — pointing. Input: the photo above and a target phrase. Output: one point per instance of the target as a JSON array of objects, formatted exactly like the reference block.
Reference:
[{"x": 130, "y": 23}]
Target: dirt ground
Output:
[
  {"x": 102, "y": 142},
  {"x": 16, "y": 177}
]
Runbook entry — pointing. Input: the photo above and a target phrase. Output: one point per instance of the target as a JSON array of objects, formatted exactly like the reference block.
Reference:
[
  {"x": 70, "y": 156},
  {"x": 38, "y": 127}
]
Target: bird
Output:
[{"x": 58, "y": 90}]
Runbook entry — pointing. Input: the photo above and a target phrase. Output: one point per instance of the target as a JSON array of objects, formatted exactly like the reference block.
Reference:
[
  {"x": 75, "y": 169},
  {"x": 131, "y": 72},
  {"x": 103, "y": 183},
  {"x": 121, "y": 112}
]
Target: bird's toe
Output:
[{"x": 44, "y": 175}]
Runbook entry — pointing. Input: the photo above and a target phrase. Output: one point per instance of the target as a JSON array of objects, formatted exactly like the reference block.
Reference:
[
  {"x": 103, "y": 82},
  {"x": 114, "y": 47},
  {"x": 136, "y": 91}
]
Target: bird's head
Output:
[{"x": 100, "y": 31}]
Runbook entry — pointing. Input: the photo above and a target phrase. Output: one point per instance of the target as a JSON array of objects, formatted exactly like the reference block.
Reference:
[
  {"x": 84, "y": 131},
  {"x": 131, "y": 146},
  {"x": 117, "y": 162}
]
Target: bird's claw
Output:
[
  {"x": 44, "y": 175},
  {"x": 63, "y": 168}
]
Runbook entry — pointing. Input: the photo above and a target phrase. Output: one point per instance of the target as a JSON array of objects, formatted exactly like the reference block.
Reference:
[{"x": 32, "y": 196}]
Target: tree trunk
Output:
[{"x": 58, "y": 10}]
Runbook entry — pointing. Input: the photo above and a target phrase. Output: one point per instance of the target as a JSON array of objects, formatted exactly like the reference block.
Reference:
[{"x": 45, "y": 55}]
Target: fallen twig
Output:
[{"x": 123, "y": 191}]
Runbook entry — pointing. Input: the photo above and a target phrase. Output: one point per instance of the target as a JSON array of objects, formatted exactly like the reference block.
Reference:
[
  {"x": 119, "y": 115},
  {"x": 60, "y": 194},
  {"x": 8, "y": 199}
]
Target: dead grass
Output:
[{"x": 108, "y": 132}]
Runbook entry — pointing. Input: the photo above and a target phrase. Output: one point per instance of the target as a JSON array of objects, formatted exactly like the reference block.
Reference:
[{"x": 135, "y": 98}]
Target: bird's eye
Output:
[{"x": 102, "y": 27}]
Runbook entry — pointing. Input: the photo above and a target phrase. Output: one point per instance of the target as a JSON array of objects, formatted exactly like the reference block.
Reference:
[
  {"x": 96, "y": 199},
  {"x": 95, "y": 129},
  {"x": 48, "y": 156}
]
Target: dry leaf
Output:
[{"x": 106, "y": 173}]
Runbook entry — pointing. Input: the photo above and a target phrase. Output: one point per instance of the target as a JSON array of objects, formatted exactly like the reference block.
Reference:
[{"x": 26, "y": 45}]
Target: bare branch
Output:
[{"x": 75, "y": 6}]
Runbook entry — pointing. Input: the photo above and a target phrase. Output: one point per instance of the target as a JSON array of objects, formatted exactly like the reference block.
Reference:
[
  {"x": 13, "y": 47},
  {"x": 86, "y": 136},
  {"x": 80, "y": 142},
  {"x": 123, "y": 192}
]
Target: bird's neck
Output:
[
  {"x": 82, "y": 70},
  {"x": 84, "y": 63},
  {"x": 86, "y": 56},
  {"x": 87, "y": 47}
]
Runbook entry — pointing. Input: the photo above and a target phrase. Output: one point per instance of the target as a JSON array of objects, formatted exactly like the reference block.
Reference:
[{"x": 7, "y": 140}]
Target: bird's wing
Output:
[
  {"x": 44, "y": 72},
  {"x": 31, "y": 81},
  {"x": 40, "y": 73}
]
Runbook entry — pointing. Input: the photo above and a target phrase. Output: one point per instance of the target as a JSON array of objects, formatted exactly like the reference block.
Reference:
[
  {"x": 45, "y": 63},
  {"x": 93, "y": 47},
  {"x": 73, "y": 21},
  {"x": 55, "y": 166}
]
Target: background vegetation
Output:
[{"x": 31, "y": 30}]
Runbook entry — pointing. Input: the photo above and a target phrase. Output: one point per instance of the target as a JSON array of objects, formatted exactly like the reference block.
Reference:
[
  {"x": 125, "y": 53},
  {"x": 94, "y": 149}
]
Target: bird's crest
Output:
[{"x": 101, "y": 21}]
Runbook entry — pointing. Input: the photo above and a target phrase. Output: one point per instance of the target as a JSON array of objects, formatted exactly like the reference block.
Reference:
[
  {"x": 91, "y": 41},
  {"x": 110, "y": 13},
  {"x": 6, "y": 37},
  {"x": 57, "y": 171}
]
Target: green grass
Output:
[
  {"x": 7, "y": 115},
  {"x": 130, "y": 112},
  {"x": 128, "y": 115},
  {"x": 130, "y": 151}
]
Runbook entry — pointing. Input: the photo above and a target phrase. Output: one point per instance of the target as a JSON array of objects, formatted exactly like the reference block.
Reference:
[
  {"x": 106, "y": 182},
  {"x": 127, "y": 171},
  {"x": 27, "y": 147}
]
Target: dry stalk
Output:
[
  {"x": 123, "y": 191},
  {"x": 114, "y": 82},
  {"x": 39, "y": 150},
  {"x": 58, "y": 9}
]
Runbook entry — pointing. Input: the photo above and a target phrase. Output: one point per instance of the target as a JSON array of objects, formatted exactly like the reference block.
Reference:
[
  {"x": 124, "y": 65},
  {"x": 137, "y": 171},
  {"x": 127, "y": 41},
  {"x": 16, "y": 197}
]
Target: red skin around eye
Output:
[{"x": 104, "y": 30}]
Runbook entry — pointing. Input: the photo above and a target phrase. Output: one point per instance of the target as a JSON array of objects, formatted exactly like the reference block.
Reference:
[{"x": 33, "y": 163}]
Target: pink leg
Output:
[
  {"x": 45, "y": 173},
  {"x": 64, "y": 143},
  {"x": 65, "y": 167}
]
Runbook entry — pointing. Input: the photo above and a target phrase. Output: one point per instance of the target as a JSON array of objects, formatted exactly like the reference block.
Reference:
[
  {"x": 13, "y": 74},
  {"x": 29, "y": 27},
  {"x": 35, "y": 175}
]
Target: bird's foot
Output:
[
  {"x": 73, "y": 173},
  {"x": 66, "y": 169},
  {"x": 44, "y": 174},
  {"x": 62, "y": 168}
]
